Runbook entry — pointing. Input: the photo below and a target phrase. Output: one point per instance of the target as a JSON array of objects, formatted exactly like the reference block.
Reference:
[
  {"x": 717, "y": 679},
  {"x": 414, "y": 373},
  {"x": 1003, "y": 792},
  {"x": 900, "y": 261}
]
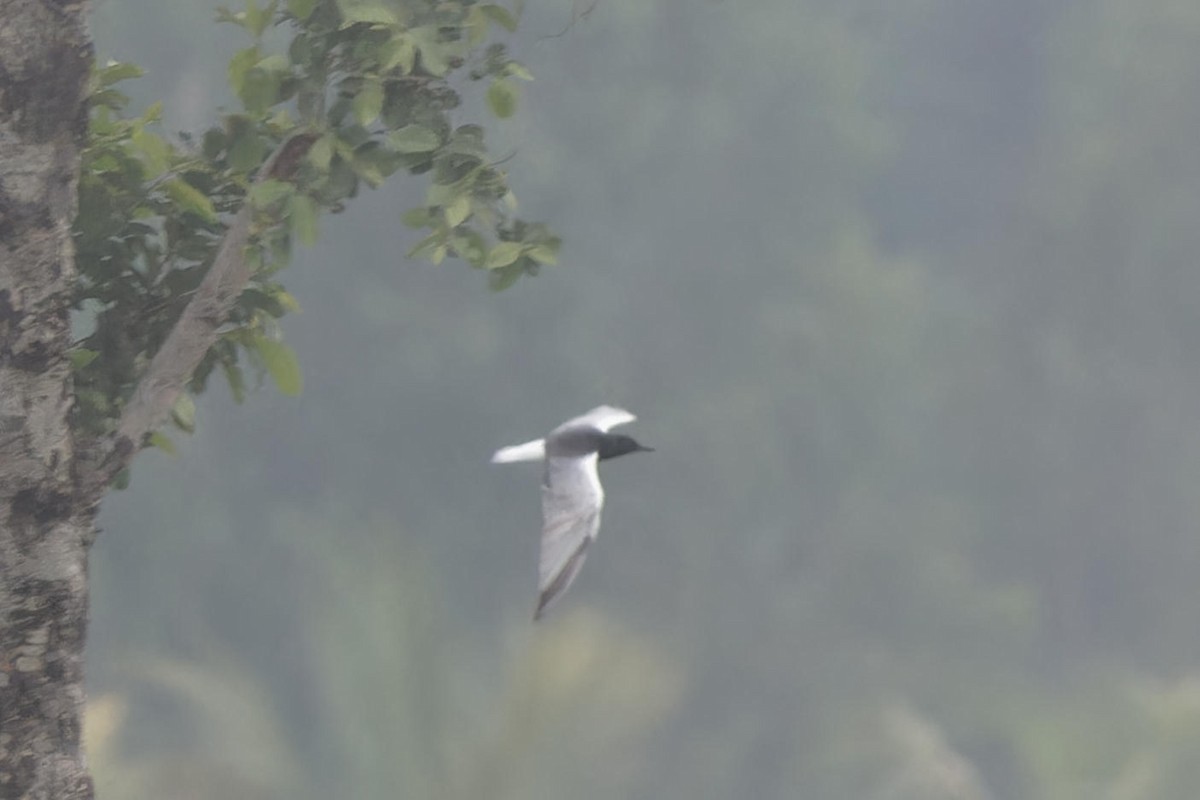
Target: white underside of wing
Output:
[
  {"x": 530, "y": 451},
  {"x": 571, "y": 503},
  {"x": 603, "y": 418}
]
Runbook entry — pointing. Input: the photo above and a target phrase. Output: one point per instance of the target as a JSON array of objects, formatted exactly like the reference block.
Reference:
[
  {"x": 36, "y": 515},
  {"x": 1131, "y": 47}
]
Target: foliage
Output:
[{"x": 364, "y": 87}]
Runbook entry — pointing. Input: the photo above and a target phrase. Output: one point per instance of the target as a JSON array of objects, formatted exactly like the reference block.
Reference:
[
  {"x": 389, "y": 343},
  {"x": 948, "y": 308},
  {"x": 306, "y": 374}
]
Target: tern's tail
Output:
[{"x": 530, "y": 451}]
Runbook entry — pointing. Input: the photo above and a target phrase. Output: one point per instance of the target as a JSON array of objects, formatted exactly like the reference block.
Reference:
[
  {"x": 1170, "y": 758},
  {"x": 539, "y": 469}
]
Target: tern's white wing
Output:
[
  {"x": 530, "y": 451},
  {"x": 603, "y": 418},
  {"x": 571, "y": 501}
]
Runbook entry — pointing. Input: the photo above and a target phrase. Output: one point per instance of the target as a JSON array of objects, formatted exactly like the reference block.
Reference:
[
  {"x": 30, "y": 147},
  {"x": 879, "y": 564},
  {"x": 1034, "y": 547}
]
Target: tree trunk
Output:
[{"x": 46, "y": 523}]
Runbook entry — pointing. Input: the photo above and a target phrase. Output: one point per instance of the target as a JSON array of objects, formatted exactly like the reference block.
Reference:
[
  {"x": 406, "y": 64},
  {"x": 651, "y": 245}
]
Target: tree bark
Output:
[{"x": 46, "y": 522}]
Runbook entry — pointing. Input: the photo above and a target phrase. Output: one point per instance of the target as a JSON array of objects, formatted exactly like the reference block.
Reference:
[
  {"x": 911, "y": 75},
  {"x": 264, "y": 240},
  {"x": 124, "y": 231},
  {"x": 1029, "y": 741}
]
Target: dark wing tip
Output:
[
  {"x": 558, "y": 587},
  {"x": 547, "y": 597}
]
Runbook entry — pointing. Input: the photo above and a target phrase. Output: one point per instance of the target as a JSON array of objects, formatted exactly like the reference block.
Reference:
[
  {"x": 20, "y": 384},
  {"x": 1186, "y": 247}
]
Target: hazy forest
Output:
[{"x": 904, "y": 294}]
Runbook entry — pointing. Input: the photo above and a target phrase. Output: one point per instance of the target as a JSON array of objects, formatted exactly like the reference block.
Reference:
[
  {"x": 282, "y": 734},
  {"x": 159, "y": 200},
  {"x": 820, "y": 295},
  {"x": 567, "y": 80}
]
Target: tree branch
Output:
[{"x": 193, "y": 334}]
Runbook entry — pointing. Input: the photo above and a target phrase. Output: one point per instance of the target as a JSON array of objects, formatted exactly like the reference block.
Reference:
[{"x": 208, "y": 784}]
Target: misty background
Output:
[{"x": 904, "y": 294}]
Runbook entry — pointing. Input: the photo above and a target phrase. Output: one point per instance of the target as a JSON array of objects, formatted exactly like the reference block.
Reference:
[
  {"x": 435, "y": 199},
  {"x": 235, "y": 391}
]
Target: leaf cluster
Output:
[{"x": 364, "y": 88}]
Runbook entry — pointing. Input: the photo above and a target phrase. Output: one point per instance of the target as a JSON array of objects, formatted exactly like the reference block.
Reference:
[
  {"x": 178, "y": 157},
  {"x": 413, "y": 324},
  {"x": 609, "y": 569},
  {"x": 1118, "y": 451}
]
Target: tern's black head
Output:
[{"x": 616, "y": 444}]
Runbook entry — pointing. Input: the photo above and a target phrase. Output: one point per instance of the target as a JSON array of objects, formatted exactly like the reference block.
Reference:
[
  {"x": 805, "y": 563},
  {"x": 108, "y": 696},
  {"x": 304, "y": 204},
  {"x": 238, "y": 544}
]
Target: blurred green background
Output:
[{"x": 904, "y": 293}]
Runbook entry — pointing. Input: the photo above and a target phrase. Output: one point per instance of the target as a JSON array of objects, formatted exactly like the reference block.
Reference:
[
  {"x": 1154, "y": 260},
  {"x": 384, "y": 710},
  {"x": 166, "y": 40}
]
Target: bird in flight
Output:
[{"x": 571, "y": 492}]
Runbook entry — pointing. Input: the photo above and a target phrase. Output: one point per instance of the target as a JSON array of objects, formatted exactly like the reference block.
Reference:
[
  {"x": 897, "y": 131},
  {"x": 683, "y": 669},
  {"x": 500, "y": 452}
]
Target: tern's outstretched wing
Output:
[
  {"x": 571, "y": 501},
  {"x": 603, "y": 418},
  {"x": 530, "y": 451}
]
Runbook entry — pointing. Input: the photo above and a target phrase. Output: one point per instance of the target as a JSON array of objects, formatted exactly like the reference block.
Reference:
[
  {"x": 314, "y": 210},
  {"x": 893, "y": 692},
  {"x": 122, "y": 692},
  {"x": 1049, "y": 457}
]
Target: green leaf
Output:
[
  {"x": 281, "y": 364},
  {"x": 280, "y": 119},
  {"x": 500, "y": 15},
  {"x": 257, "y": 19},
  {"x": 102, "y": 101},
  {"x": 239, "y": 65},
  {"x": 544, "y": 253},
  {"x": 368, "y": 172},
  {"x": 81, "y": 357},
  {"x": 304, "y": 219},
  {"x": 260, "y": 89},
  {"x": 301, "y": 9},
  {"x": 468, "y": 139},
  {"x": 189, "y": 198},
  {"x": 368, "y": 102},
  {"x": 237, "y": 384},
  {"x": 276, "y": 62},
  {"x": 433, "y": 51},
  {"x": 503, "y": 254},
  {"x": 268, "y": 192},
  {"x": 321, "y": 153},
  {"x": 212, "y": 143},
  {"x": 502, "y": 98},
  {"x": 414, "y": 139},
  {"x": 372, "y": 11},
  {"x": 469, "y": 245},
  {"x": 476, "y": 27},
  {"x": 285, "y": 299},
  {"x": 440, "y": 194},
  {"x": 399, "y": 52},
  {"x": 246, "y": 150},
  {"x": 501, "y": 279},
  {"x": 458, "y": 210},
  {"x": 115, "y": 71},
  {"x": 425, "y": 246},
  {"x": 159, "y": 439},
  {"x": 518, "y": 70},
  {"x": 302, "y": 52},
  {"x": 343, "y": 148},
  {"x": 183, "y": 413}
]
